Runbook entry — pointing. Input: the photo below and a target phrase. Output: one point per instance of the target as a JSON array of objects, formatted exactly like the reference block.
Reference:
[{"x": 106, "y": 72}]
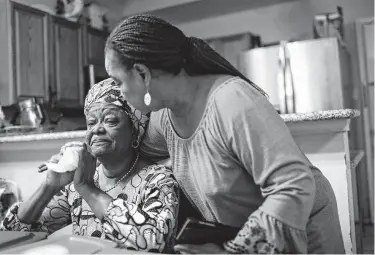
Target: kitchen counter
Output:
[{"x": 288, "y": 118}]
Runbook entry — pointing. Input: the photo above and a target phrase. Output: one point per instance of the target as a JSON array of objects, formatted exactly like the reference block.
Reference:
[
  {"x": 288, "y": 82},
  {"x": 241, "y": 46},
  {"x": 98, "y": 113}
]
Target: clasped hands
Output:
[{"x": 82, "y": 176}]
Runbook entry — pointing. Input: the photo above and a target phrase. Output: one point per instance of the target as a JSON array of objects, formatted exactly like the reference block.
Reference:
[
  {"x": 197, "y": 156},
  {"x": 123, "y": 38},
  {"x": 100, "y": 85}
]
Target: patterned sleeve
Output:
[
  {"x": 55, "y": 216},
  {"x": 149, "y": 225}
]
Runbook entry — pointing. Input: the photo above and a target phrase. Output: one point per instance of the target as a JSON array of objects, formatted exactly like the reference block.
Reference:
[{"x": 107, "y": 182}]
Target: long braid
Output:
[{"x": 154, "y": 42}]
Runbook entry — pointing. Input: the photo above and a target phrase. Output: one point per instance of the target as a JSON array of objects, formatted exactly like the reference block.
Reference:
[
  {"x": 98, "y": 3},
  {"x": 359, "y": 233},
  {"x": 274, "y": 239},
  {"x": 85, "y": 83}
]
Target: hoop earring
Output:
[
  {"x": 135, "y": 144},
  {"x": 147, "y": 99}
]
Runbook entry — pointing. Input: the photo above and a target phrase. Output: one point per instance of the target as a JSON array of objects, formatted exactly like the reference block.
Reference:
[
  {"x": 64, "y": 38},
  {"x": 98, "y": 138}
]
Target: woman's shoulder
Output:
[
  {"x": 234, "y": 91},
  {"x": 235, "y": 97},
  {"x": 159, "y": 118}
]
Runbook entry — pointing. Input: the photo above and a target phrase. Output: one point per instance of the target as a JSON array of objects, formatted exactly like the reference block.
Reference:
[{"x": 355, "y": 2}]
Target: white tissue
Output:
[{"x": 68, "y": 162}]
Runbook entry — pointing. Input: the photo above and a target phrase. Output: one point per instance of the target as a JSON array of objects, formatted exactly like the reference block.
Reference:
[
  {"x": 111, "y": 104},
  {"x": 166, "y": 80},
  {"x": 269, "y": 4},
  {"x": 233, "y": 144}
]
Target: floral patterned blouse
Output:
[{"x": 142, "y": 217}]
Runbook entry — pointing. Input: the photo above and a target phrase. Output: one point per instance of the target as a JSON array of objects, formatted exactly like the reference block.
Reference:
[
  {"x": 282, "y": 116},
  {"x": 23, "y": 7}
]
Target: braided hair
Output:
[{"x": 156, "y": 43}]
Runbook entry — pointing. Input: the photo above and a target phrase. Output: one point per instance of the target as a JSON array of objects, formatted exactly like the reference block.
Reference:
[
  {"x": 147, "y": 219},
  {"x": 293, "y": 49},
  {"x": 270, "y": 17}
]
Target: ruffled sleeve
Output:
[
  {"x": 267, "y": 235},
  {"x": 150, "y": 224},
  {"x": 55, "y": 216},
  {"x": 262, "y": 144}
]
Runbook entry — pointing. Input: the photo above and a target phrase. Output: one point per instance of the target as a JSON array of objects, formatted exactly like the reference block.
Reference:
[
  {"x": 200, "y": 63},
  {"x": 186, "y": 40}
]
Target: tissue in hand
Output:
[{"x": 68, "y": 162}]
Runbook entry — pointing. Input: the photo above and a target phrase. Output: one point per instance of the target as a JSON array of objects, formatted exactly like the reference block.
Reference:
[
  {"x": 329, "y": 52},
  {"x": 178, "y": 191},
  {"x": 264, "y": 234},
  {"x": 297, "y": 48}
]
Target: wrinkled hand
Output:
[
  {"x": 58, "y": 180},
  {"x": 84, "y": 175},
  {"x": 54, "y": 179},
  {"x": 207, "y": 248},
  {"x": 56, "y": 158}
]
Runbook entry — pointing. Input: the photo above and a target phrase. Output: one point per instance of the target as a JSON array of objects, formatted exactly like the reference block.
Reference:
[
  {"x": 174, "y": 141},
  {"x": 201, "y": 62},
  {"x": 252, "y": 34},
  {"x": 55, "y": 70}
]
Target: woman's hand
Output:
[
  {"x": 57, "y": 157},
  {"x": 55, "y": 179},
  {"x": 84, "y": 175},
  {"x": 207, "y": 248},
  {"x": 58, "y": 180}
]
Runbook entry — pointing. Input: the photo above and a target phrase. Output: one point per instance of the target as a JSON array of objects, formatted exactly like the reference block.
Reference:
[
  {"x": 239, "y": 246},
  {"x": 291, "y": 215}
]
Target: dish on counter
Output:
[{"x": 67, "y": 244}]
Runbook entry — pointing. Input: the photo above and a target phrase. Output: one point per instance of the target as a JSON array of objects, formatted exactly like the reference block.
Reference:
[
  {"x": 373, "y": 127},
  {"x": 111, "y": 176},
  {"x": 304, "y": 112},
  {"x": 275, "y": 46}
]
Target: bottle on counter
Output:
[{"x": 9, "y": 194}]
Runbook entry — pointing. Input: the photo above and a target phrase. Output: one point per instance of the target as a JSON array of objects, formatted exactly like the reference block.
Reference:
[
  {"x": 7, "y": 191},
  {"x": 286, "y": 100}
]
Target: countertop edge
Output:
[
  {"x": 321, "y": 115},
  {"x": 288, "y": 118},
  {"x": 44, "y": 136}
]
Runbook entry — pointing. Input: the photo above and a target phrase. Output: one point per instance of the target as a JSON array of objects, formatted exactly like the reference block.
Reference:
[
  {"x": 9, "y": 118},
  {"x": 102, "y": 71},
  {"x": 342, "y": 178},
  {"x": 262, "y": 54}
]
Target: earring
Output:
[
  {"x": 135, "y": 144},
  {"x": 147, "y": 99}
]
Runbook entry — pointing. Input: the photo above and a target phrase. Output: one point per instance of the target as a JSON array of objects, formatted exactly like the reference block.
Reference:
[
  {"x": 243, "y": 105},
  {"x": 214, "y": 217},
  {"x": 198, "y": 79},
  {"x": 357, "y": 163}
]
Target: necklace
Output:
[{"x": 123, "y": 177}]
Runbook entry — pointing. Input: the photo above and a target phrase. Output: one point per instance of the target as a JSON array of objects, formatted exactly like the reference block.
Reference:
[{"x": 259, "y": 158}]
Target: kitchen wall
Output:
[{"x": 277, "y": 22}]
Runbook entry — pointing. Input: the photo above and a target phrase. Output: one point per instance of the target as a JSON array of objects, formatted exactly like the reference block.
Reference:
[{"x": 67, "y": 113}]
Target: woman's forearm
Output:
[
  {"x": 97, "y": 199},
  {"x": 30, "y": 210}
]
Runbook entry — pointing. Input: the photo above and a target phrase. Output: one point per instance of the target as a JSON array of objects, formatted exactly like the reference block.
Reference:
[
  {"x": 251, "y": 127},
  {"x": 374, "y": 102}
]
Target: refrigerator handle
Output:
[
  {"x": 289, "y": 84},
  {"x": 281, "y": 79}
]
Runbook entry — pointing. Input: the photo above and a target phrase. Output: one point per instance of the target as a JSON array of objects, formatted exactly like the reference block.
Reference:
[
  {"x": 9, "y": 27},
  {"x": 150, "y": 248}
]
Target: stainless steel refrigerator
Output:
[{"x": 302, "y": 76}]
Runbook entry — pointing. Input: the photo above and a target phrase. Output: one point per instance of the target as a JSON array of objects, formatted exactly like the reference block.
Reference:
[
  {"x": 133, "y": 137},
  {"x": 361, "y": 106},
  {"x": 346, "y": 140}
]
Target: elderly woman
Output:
[
  {"x": 231, "y": 153},
  {"x": 113, "y": 194}
]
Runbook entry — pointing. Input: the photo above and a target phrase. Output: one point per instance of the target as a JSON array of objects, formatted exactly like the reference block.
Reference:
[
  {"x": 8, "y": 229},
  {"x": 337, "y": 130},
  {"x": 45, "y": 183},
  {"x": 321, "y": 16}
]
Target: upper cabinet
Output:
[
  {"x": 30, "y": 52},
  {"x": 44, "y": 56},
  {"x": 368, "y": 32},
  {"x": 365, "y": 42},
  {"x": 68, "y": 64},
  {"x": 95, "y": 43},
  {"x": 24, "y": 66}
]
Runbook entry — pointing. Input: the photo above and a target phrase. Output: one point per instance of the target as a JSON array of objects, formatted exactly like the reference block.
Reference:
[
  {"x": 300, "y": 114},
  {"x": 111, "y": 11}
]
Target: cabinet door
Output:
[
  {"x": 95, "y": 46},
  {"x": 368, "y": 33},
  {"x": 68, "y": 62},
  {"x": 30, "y": 41}
]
